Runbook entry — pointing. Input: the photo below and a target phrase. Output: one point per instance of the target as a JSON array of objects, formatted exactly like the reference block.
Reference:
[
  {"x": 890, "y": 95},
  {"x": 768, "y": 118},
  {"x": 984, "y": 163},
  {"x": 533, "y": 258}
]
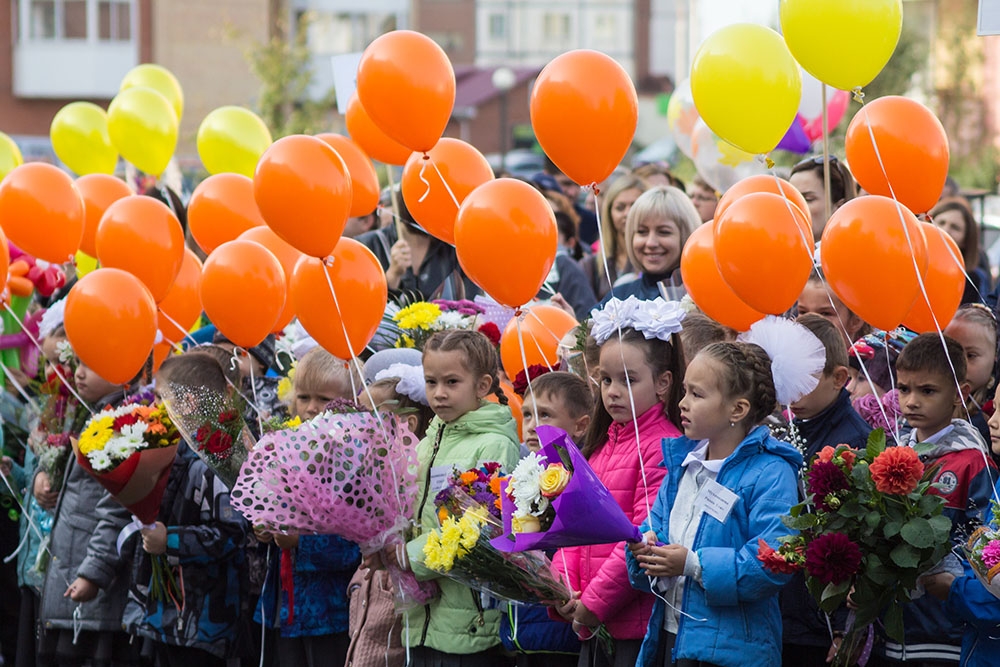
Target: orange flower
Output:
[
  {"x": 498, "y": 503},
  {"x": 156, "y": 428},
  {"x": 144, "y": 412},
  {"x": 849, "y": 458},
  {"x": 442, "y": 514},
  {"x": 826, "y": 454},
  {"x": 468, "y": 477},
  {"x": 897, "y": 471},
  {"x": 495, "y": 485}
]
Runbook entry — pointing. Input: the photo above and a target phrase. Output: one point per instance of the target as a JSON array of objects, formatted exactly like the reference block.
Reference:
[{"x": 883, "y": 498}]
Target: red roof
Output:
[{"x": 475, "y": 84}]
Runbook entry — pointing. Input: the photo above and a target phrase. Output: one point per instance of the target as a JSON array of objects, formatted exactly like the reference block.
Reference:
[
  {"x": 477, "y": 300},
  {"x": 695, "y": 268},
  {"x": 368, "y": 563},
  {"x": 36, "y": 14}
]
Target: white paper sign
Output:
[
  {"x": 345, "y": 77},
  {"x": 716, "y": 500},
  {"x": 989, "y": 17},
  {"x": 439, "y": 477}
]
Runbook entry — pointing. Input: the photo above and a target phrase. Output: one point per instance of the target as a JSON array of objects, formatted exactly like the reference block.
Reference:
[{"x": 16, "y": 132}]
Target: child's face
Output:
[
  {"x": 452, "y": 389},
  {"x": 91, "y": 386},
  {"x": 927, "y": 400},
  {"x": 373, "y": 398},
  {"x": 995, "y": 425},
  {"x": 823, "y": 396},
  {"x": 816, "y": 299},
  {"x": 980, "y": 351},
  {"x": 310, "y": 400},
  {"x": 552, "y": 411},
  {"x": 858, "y": 385},
  {"x": 657, "y": 245},
  {"x": 616, "y": 378},
  {"x": 705, "y": 409}
]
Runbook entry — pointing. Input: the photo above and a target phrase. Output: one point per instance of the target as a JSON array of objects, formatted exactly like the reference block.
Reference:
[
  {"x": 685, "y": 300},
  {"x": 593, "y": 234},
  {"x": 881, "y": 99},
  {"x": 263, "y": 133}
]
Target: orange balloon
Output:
[
  {"x": 160, "y": 353},
  {"x": 372, "y": 140},
  {"x": 461, "y": 166},
  {"x": 406, "y": 65},
  {"x": 706, "y": 285},
  {"x": 221, "y": 208},
  {"x": 514, "y": 402},
  {"x": 501, "y": 224},
  {"x": 765, "y": 183},
  {"x": 584, "y": 112},
  {"x": 359, "y": 284},
  {"x": 913, "y": 148},
  {"x": 542, "y": 329},
  {"x": 304, "y": 192},
  {"x": 110, "y": 321},
  {"x": 182, "y": 305},
  {"x": 99, "y": 191},
  {"x": 243, "y": 291},
  {"x": 142, "y": 235},
  {"x": 759, "y": 225},
  {"x": 944, "y": 283},
  {"x": 288, "y": 256},
  {"x": 863, "y": 245},
  {"x": 41, "y": 211},
  {"x": 364, "y": 181}
]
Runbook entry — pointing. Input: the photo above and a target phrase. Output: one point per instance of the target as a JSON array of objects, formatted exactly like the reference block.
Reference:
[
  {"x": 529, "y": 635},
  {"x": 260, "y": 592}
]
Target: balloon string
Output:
[
  {"x": 920, "y": 282},
  {"x": 238, "y": 353},
  {"x": 827, "y": 204},
  {"x": 447, "y": 187},
  {"x": 185, "y": 333},
  {"x": 55, "y": 367},
  {"x": 423, "y": 179},
  {"x": 524, "y": 364}
]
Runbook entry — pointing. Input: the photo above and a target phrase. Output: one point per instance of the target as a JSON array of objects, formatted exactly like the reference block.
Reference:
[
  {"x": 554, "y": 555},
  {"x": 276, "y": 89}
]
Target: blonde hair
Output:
[
  {"x": 318, "y": 367},
  {"x": 663, "y": 202},
  {"x": 609, "y": 240}
]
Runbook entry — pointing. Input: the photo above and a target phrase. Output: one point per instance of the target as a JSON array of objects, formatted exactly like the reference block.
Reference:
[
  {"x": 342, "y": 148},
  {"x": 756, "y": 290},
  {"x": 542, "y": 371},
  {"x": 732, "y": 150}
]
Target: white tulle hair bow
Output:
[
  {"x": 797, "y": 356},
  {"x": 656, "y": 318},
  {"x": 411, "y": 381}
]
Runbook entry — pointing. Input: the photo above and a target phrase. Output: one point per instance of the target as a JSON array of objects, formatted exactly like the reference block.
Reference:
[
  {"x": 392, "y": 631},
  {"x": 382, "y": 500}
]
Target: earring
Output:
[{"x": 732, "y": 424}]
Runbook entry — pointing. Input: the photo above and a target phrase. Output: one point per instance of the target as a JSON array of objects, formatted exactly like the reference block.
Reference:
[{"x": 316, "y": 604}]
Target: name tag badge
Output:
[
  {"x": 716, "y": 500},
  {"x": 440, "y": 476}
]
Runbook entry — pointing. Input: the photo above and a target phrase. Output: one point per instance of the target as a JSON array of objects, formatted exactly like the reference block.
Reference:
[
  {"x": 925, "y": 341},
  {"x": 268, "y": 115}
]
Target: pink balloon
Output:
[{"x": 836, "y": 107}]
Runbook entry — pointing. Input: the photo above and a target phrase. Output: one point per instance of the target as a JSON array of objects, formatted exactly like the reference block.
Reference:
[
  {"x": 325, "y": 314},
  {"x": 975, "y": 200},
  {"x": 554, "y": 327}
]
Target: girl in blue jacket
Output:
[{"x": 728, "y": 485}]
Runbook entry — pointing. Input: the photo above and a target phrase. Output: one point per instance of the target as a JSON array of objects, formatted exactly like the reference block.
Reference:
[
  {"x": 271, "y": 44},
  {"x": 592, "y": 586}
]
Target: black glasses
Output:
[{"x": 816, "y": 161}]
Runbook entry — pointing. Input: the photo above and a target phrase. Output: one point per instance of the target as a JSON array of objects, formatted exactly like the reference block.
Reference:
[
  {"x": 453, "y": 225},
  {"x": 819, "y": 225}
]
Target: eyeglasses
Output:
[{"x": 816, "y": 161}]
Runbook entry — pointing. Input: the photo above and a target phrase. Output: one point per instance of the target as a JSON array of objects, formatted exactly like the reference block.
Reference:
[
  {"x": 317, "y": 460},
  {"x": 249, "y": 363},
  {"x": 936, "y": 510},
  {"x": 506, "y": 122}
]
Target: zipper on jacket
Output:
[
  {"x": 420, "y": 513},
  {"x": 480, "y": 620}
]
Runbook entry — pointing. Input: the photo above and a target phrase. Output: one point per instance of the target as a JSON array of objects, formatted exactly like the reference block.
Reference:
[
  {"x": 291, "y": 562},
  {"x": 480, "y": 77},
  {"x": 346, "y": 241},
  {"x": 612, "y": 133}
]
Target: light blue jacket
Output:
[{"x": 736, "y": 605}]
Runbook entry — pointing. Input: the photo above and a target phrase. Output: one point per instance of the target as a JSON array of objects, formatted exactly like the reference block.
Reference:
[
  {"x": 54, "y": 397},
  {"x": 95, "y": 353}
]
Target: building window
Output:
[
  {"x": 114, "y": 20},
  {"x": 107, "y": 20},
  {"x": 42, "y": 19},
  {"x": 74, "y": 19},
  {"x": 556, "y": 27},
  {"x": 498, "y": 26}
]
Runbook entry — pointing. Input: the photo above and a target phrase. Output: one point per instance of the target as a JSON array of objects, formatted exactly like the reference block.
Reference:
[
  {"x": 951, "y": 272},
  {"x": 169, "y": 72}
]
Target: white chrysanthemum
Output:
[
  {"x": 525, "y": 479},
  {"x": 135, "y": 432},
  {"x": 119, "y": 448},
  {"x": 541, "y": 504},
  {"x": 99, "y": 460},
  {"x": 451, "y": 319}
]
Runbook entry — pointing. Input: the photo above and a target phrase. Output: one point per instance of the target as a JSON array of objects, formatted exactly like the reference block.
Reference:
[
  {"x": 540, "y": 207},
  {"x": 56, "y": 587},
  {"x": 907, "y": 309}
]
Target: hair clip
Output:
[
  {"x": 411, "y": 381},
  {"x": 797, "y": 356},
  {"x": 657, "y": 318}
]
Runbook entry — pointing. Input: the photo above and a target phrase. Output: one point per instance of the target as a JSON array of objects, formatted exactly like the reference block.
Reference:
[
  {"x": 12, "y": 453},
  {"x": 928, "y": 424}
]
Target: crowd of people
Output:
[{"x": 663, "y": 416}]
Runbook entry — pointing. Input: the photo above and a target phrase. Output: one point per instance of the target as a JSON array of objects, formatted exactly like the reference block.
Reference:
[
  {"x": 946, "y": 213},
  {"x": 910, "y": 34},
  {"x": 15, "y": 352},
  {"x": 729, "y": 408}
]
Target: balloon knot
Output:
[
  {"x": 859, "y": 96},
  {"x": 328, "y": 260},
  {"x": 426, "y": 156},
  {"x": 769, "y": 162}
]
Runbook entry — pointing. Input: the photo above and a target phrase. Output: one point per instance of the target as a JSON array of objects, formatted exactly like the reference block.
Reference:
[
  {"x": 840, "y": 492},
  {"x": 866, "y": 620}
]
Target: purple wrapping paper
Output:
[{"x": 586, "y": 513}]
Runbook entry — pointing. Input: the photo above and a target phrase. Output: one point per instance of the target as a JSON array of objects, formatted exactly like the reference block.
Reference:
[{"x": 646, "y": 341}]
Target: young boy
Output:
[
  {"x": 562, "y": 400},
  {"x": 822, "y": 417},
  {"x": 931, "y": 382}
]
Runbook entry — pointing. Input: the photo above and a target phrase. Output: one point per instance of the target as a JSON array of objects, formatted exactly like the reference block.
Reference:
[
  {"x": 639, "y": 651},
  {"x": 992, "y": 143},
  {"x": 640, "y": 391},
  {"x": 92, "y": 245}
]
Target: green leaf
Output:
[
  {"x": 941, "y": 526},
  {"x": 873, "y": 519},
  {"x": 894, "y": 622},
  {"x": 891, "y": 529},
  {"x": 929, "y": 504},
  {"x": 876, "y": 444},
  {"x": 923, "y": 448},
  {"x": 918, "y": 532},
  {"x": 834, "y": 595},
  {"x": 905, "y": 556},
  {"x": 802, "y": 522}
]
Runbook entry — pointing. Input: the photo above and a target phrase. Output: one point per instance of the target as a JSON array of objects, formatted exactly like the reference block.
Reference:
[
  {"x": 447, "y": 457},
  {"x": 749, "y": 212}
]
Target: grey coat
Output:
[{"x": 82, "y": 548}]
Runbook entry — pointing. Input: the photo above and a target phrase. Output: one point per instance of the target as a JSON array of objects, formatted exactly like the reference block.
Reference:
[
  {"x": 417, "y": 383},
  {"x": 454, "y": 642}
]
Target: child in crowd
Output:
[
  {"x": 641, "y": 375},
  {"x": 700, "y": 331},
  {"x": 315, "y": 570},
  {"x": 929, "y": 393},
  {"x": 718, "y": 605},
  {"x": 822, "y": 417},
  {"x": 817, "y": 298},
  {"x": 874, "y": 395},
  {"x": 201, "y": 536},
  {"x": 460, "y": 369},
  {"x": 85, "y": 566},
  {"x": 975, "y": 328},
  {"x": 557, "y": 399}
]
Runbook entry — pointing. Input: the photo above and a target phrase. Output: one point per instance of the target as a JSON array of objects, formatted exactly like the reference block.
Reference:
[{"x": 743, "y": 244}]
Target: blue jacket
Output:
[
  {"x": 527, "y": 628},
  {"x": 323, "y": 567},
  {"x": 736, "y": 604},
  {"x": 972, "y": 603}
]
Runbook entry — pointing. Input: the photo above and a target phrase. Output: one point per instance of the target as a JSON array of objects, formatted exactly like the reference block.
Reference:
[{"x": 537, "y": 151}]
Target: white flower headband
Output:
[
  {"x": 797, "y": 355},
  {"x": 52, "y": 318},
  {"x": 653, "y": 319},
  {"x": 411, "y": 381}
]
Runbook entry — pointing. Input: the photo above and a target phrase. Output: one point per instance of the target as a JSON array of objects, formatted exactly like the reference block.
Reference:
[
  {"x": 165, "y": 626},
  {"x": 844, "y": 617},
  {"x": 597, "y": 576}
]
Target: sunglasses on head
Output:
[{"x": 816, "y": 161}]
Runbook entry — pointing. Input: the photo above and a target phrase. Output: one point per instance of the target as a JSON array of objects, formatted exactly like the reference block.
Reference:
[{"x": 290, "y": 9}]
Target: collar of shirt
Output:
[
  {"x": 697, "y": 457},
  {"x": 933, "y": 440}
]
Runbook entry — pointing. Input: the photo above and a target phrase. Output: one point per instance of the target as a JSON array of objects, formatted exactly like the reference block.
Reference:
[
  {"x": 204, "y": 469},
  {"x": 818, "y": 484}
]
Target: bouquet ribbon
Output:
[{"x": 131, "y": 529}]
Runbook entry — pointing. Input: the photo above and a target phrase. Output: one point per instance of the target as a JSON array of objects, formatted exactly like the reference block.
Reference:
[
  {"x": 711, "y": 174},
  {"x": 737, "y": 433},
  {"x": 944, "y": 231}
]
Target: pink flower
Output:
[{"x": 991, "y": 554}]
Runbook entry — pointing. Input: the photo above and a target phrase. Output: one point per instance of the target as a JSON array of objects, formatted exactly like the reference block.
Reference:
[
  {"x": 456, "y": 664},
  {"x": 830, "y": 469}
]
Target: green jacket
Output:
[{"x": 455, "y": 622}]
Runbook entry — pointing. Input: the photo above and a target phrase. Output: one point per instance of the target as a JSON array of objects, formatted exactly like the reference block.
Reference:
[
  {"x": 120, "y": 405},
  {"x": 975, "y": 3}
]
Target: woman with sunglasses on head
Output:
[{"x": 807, "y": 177}]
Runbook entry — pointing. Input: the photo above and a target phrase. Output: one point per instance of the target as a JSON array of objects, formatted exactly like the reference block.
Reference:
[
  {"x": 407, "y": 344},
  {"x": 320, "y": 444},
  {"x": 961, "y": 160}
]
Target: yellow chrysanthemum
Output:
[
  {"x": 284, "y": 389},
  {"x": 420, "y": 315},
  {"x": 294, "y": 422},
  {"x": 96, "y": 435},
  {"x": 432, "y": 552},
  {"x": 405, "y": 341},
  {"x": 470, "y": 532}
]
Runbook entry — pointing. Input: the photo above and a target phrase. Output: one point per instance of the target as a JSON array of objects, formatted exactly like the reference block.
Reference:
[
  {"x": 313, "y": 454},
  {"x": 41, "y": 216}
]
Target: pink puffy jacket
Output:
[{"x": 599, "y": 571}]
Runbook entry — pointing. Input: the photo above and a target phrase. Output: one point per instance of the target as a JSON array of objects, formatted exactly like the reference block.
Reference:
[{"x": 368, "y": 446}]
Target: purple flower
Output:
[
  {"x": 825, "y": 478},
  {"x": 991, "y": 554}
]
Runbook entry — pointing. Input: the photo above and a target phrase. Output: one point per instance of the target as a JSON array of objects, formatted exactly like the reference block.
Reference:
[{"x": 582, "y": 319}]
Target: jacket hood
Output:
[
  {"x": 962, "y": 436},
  {"x": 757, "y": 440},
  {"x": 488, "y": 418}
]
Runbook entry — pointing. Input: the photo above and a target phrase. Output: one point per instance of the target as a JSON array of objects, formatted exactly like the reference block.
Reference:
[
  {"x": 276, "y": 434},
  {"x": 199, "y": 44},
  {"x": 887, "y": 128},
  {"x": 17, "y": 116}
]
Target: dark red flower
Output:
[
  {"x": 491, "y": 467},
  {"x": 825, "y": 477},
  {"x": 228, "y": 416},
  {"x": 774, "y": 561},
  {"x": 218, "y": 444},
  {"x": 201, "y": 435},
  {"x": 125, "y": 420},
  {"x": 521, "y": 381},
  {"x": 832, "y": 558},
  {"x": 491, "y": 331}
]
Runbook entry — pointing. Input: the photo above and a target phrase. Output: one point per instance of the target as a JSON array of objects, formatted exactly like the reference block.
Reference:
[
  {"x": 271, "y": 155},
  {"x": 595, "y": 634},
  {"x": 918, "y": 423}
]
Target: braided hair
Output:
[
  {"x": 480, "y": 354},
  {"x": 746, "y": 373}
]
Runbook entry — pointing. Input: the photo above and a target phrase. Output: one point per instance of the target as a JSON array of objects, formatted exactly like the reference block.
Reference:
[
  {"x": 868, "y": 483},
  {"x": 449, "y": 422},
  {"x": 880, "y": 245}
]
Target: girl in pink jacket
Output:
[{"x": 641, "y": 378}]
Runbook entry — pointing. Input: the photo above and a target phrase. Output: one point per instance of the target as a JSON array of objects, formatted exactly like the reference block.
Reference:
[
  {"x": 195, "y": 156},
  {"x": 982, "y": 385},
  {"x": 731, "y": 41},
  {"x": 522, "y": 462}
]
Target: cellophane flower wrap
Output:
[
  {"x": 554, "y": 499},
  {"x": 212, "y": 424},
  {"x": 348, "y": 472},
  {"x": 982, "y": 550},
  {"x": 871, "y": 523},
  {"x": 462, "y": 548}
]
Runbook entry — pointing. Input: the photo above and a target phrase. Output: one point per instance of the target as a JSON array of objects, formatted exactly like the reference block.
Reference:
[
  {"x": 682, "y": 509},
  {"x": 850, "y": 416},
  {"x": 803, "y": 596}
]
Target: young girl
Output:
[
  {"x": 817, "y": 298},
  {"x": 460, "y": 370},
  {"x": 315, "y": 570},
  {"x": 717, "y": 605},
  {"x": 954, "y": 216},
  {"x": 640, "y": 379},
  {"x": 975, "y": 328}
]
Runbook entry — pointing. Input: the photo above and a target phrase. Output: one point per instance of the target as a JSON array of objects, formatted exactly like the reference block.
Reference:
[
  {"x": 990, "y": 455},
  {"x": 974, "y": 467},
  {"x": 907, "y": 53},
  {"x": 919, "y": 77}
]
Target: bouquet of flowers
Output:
[
  {"x": 554, "y": 499},
  {"x": 347, "y": 472},
  {"x": 415, "y": 323},
  {"x": 60, "y": 414},
  {"x": 983, "y": 552},
  {"x": 130, "y": 451},
  {"x": 461, "y": 549},
  {"x": 872, "y": 524},
  {"x": 212, "y": 423}
]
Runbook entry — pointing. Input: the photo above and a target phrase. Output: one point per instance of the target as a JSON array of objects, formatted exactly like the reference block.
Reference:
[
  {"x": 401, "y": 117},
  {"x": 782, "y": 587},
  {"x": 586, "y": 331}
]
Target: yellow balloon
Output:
[
  {"x": 143, "y": 127},
  {"x": 10, "y": 155},
  {"x": 84, "y": 264},
  {"x": 159, "y": 79},
  {"x": 746, "y": 86},
  {"x": 817, "y": 30},
  {"x": 80, "y": 138},
  {"x": 232, "y": 139}
]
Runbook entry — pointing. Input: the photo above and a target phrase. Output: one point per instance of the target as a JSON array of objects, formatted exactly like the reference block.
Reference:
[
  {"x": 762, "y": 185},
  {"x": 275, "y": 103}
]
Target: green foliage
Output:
[{"x": 897, "y": 76}]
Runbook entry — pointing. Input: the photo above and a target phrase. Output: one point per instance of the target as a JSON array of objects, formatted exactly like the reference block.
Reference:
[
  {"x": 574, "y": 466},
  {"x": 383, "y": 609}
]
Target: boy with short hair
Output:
[
  {"x": 560, "y": 399},
  {"x": 931, "y": 383}
]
